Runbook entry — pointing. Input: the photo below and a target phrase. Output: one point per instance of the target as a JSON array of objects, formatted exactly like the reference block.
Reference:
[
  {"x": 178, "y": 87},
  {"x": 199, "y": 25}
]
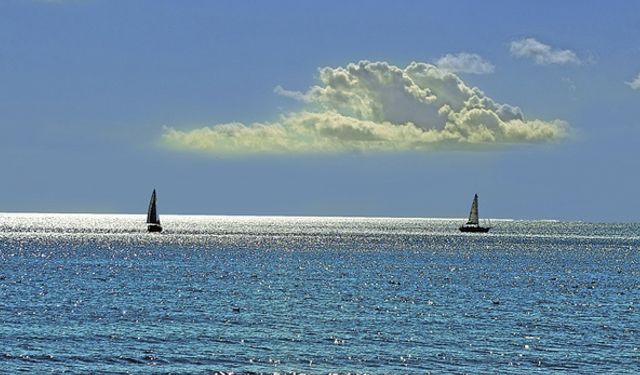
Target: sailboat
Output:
[
  {"x": 473, "y": 225},
  {"x": 153, "y": 220}
]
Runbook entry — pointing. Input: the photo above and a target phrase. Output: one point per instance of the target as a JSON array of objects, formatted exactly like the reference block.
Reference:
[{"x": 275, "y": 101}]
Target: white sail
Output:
[{"x": 473, "y": 215}]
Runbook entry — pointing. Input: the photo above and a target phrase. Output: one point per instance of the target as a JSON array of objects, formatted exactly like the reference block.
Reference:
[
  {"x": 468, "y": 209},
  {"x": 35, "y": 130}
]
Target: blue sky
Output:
[{"x": 102, "y": 101}]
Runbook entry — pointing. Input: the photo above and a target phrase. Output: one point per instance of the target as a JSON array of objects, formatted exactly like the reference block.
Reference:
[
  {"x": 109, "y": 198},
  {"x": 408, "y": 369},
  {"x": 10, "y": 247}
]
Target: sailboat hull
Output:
[
  {"x": 474, "y": 229},
  {"x": 154, "y": 228}
]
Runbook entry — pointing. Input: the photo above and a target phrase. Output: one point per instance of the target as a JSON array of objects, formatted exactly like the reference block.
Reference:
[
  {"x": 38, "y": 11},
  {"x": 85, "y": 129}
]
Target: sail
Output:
[
  {"x": 473, "y": 215},
  {"x": 473, "y": 225},
  {"x": 152, "y": 213}
]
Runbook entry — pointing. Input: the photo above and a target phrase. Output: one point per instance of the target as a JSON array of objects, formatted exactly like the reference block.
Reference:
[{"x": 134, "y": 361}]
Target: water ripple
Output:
[{"x": 254, "y": 295}]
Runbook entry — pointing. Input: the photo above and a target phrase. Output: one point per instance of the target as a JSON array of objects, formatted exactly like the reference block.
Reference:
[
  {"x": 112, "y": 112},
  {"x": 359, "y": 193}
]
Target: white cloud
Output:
[
  {"x": 541, "y": 53},
  {"x": 297, "y": 95},
  {"x": 376, "y": 107},
  {"x": 635, "y": 84},
  {"x": 465, "y": 63}
]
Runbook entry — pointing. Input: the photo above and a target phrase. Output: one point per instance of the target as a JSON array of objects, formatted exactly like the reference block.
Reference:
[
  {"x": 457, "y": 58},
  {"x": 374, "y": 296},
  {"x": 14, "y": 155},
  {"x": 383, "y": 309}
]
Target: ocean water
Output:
[{"x": 97, "y": 294}]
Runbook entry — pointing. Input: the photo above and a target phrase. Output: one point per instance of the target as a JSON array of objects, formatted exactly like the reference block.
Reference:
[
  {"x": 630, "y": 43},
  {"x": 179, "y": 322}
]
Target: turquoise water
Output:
[{"x": 96, "y": 294}]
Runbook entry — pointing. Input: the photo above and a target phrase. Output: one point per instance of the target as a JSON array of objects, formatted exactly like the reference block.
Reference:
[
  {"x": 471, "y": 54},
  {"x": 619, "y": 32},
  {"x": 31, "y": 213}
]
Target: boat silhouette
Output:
[
  {"x": 473, "y": 224},
  {"x": 153, "y": 220}
]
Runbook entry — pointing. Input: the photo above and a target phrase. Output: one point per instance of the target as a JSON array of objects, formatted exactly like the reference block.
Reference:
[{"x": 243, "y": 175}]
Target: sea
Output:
[{"x": 97, "y": 294}]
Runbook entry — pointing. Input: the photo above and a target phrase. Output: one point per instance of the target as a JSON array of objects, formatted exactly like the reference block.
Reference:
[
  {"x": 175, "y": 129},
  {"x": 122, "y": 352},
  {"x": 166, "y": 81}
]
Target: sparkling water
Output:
[{"x": 98, "y": 294}]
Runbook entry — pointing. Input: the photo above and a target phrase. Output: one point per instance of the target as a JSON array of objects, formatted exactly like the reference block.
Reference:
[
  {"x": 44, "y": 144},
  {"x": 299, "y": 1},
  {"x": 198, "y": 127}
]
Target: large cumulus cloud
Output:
[{"x": 376, "y": 106}]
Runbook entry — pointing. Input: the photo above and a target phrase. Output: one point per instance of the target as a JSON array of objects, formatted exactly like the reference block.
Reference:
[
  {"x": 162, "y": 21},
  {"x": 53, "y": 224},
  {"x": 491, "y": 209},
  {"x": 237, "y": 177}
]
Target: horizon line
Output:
[{"x": 289, "y": 216}]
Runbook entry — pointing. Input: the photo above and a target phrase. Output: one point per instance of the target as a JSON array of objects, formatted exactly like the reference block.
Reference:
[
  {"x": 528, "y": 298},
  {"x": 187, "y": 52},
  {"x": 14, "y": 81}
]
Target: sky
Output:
[{"x": 331, "y": 108}]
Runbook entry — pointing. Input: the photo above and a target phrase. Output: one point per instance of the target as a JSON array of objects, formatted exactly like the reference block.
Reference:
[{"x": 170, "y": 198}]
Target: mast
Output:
[
  {"x": 473, "y": 214},
  {"x": 152, "y": 214}
]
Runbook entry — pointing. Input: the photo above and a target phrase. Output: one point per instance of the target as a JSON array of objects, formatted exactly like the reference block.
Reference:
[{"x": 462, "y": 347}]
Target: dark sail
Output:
[
  {"x": 473, "y": 214},
  {"x": 153, "y": 221},
  {"x": 473, "y": 224},
  {"x": 152, "y": 213}
]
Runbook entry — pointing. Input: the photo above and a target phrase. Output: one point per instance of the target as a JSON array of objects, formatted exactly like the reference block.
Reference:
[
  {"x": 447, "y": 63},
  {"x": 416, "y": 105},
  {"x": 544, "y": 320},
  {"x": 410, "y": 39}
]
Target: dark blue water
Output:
[{"x": 95, "y": 293}]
